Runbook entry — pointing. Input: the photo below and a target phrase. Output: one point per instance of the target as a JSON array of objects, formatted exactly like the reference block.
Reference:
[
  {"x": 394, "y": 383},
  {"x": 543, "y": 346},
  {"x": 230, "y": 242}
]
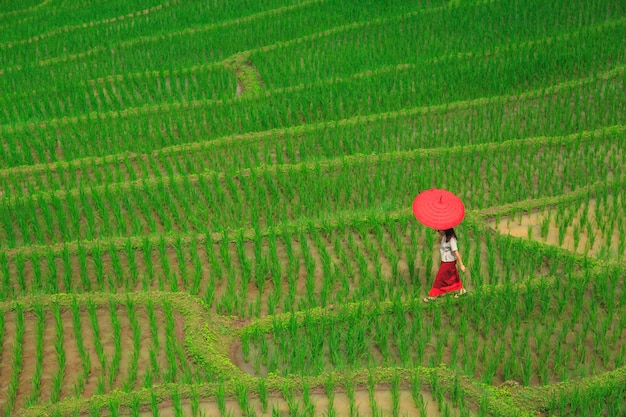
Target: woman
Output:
[{"x": 447, "y": 279}]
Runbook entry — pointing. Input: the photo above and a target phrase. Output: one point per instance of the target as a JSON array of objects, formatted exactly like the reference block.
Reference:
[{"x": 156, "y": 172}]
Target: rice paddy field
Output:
[{"x": 205, "y": 207}]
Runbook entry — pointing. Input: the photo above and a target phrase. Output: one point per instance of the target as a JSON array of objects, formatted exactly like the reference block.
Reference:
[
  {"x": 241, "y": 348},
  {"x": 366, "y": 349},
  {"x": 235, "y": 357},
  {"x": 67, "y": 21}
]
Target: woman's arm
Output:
[{"x": 458, "y": 257}]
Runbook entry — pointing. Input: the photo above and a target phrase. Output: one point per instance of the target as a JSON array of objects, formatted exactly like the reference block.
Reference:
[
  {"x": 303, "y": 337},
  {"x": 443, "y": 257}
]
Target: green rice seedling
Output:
[
  {"x": 93, "y": 317},
  {"x": 131, "y": 264},
  {"x": 229, "y": 299},
  {"x": 67, "y": 277},
  {"x": 224, "y": 250},
  {"x": 220, "y": 398},
  {"x": 147, "y": 217},
  {"x": 118, "y": 270},
  {"x": 36, "y": 285},
  {"x": 262, "y": 391},
  {"x": 147, "y": 257},
  {"x": 115, "y": 206},
  {"x": 274, "y": 263},
  {"x": 94, "y": 410},
  {"x": 329, "y": 386},
  {"x": 135, "y": 218},
  {"x": 261, "y": 273},
  {"x": 135, "y": 407},
  {"x": 371, "y": 389},
  {"x": 57, "y": 379},
  {"x": 20, "y": 264},
  {"x": 114, "y": 407},
  {"x": 170, "y": 342},
  {"x": 165, "y": 265},
  {"x": 395, "y": 395},
  {"x": 96, "y": 256},
  {"x": 209, "y": 296},
  {"x": 619, "y": 359},
  {"x": 24, "y": 227},
  {"x": 194, "y": 402},
  {"x": 75, "y": 215},
  {"x": 292, "y": 404},
  {"x": 350, "y": 347},
  {"x": 276, "y": 412},
  {"x": 17, "y": 360},
  {"x": 149, "y": 377},
  {"x": 178, "y": 409},
  {"x": 241, "y": 391},
  {"x": 48, "y": 217},
  {"x": 136, "y": 329},
  {"x": 39, "y": 341},
  {"x": 7, "y": 290},
  {"x": 84, "y": 273},
  {"x": 7, "y": 222},
  {"x": 87, "y": 207},
  {"x": 196, "y": 281},
  {"x": 308, "y": 405},
  {"x": 154, "y": 404},
  {"x": 182, "y": 262},
  {"x": 209, "y": 248},
  {"x": 84, "y": 356}
]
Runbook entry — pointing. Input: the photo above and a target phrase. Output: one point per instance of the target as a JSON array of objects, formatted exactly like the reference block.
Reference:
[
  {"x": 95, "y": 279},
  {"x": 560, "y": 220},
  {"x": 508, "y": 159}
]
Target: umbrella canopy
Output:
[{"x": 439, "y": 209}]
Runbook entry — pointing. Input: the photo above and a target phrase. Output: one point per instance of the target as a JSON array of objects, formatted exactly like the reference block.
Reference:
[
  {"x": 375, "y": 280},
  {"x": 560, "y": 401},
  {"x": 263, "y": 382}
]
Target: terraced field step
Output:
[
  {"x": 61, "y": 346},
  {"x": 365, "y": 254},
  {"x": 294, "y": 145},
  {"x": 167, "y": 82},
  {"x": 74, "y": 147},
  {"x": 405, "y": 333},
  {"x": 216, "y": 203}
]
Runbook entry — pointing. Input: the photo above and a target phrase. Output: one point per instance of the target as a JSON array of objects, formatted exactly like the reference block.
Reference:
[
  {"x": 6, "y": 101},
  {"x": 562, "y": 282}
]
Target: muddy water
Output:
[
  {"x": 380, "y": 404},
  {"x": 590, "y": 240}
]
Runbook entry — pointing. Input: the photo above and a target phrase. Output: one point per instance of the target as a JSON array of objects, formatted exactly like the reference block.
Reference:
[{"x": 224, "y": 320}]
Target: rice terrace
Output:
[{"x": 205, "y": 207}]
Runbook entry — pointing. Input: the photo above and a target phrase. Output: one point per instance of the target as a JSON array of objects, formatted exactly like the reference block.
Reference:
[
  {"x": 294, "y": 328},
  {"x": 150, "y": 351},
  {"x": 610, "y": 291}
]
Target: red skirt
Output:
[{"x": 447, "y": 279}]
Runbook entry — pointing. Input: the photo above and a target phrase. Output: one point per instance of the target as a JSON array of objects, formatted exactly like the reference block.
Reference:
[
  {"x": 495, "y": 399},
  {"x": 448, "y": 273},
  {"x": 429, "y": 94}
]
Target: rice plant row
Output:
[
  {"x": 52, "y": 351},
  {"x": 178, "y": 48},
  {"x": 192, "y": 13},
  {"x": 23, "y": 9},
  {"x": 427, "y": 94},
  {"x": 44, "y": 148},
  {"x": 321, "y": 57},
  {"x": 67, "y": 28},
  {"x": 386, "y": 391},
  {"x": 131, "y": 164},
  {"x": 160, "y": 167},
  {"x": 260, "y": 396},
  {"x": 606, "y": 397},
  {"x": 289, "y": 270},
  {"x": 316, "y": 142},
  {"x": 122, "y": 95},
  {"x": 81, "y": 16},
  {"x": 540, "y": 336},
  {"x": 134, "y": 95},
  {"x": 215, "y": 203}
]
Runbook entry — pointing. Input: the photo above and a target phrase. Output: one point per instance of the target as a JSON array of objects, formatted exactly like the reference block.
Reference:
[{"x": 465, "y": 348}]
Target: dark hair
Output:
[{"x": 449, "y": 234}]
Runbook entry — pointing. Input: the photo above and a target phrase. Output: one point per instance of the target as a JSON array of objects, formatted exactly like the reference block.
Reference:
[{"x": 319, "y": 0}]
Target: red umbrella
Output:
[{"x": 439, "y": 209}]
